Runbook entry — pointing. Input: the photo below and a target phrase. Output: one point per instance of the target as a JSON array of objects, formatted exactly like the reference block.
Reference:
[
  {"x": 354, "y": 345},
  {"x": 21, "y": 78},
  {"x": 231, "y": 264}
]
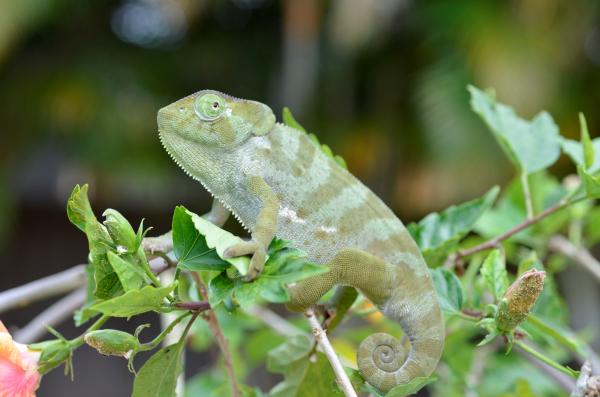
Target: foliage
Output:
[{"x": 497, "y": 279}]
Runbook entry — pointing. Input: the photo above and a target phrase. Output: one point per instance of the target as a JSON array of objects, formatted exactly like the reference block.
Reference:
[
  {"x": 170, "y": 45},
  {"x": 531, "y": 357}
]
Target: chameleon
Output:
[{"x": 276, "y": 181}]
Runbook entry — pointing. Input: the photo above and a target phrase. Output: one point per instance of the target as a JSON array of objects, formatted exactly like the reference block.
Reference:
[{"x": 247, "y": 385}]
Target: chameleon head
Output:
[
  {"x": 211, "y": 118},
  {"x": 201, "y": 130}
]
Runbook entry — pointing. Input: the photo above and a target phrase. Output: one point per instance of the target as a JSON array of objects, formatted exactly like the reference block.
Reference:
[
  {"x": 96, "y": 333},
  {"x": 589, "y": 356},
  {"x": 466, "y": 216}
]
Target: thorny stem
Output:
[{"x": 214, "y": 326}]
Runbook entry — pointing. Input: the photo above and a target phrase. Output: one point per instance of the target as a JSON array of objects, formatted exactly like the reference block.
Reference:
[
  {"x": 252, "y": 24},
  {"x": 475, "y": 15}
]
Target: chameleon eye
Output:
[{"x": 209, "y": 107}]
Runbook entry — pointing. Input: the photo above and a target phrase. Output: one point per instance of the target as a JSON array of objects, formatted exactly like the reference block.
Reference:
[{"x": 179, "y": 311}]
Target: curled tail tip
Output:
[{"x": 384, "y": 362}]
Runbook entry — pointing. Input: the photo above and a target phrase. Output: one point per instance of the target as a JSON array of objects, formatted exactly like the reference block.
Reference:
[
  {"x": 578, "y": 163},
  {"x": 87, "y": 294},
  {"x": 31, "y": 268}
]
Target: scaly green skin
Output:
[{"x": 276, "y": 181}]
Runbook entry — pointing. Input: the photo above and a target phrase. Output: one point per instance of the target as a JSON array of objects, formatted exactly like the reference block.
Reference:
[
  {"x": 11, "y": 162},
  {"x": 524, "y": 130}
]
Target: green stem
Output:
[
  {"x": 156, "y": 341},
  {"x": 561, "y": 337},
  {"x": 188, "y": 326},
  {"x": 152, "y": 276},
  {"x": 547, "y": 360},
  {"x": 527, "y": 194},
  {"x": 155, "y": 280}
]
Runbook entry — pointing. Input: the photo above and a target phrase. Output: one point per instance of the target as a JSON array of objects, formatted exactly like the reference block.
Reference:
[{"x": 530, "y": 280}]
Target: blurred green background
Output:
[{"x": 383, "y": 82}]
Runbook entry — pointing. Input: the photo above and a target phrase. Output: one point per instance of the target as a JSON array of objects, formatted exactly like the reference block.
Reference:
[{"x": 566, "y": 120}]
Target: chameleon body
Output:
[{"x": 275, "y": 180}]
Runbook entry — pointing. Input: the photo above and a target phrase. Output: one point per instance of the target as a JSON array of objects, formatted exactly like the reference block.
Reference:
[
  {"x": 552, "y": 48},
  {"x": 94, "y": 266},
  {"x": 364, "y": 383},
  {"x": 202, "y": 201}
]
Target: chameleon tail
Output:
[
  {"x": 402, "y": 292},
  {"x": 383, "y": 360}
]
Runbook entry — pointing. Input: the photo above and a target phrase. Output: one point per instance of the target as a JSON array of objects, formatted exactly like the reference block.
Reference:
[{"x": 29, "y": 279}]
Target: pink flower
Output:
[{"x": 18, "y": 367}]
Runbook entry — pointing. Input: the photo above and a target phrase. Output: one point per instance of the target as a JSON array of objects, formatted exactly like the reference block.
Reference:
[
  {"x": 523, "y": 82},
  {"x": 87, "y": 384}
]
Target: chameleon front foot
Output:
[{"x": 259, "y": 256}]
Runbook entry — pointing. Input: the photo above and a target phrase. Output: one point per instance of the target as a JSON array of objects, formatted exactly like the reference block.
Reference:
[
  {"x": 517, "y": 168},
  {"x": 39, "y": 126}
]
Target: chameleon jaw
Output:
[{"x": 169, "y": 151}]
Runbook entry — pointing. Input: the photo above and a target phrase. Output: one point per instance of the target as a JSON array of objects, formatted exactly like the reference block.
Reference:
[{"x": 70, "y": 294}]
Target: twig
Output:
[
  {"x": 214, "y": 326},
  {"x": 580, "y": 389},
  {"x": 342, "y": 378},
  {"x": 274, "y": 320},
  {"x": 56, "y": 284},
  {"x": 52, "y": 316},
  {"x": 193, "y": 306},
  {"x": 494, "y": 242},
  {"x": 579, "y": 255},
  {"x": 46, "y": 287}
]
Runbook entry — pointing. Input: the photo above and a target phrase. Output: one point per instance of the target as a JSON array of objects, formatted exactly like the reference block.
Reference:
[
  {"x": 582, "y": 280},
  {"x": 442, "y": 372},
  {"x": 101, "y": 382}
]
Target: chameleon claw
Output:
[
  {"x": 257, "y": 264},
  {"x": 259, "y": 256}
]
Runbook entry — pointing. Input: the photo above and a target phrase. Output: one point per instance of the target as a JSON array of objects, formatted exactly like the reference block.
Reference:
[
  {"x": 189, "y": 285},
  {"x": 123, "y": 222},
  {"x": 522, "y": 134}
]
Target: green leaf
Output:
[
  {"x": 530, "y": 145},
  {"x": 81, "y": 215},
  {"x": 199, "y": 244},
  {"x": 494, "y": 273},
  {"x": 449, "y": 290},
  {"x": 83, "y": 314},
  {"x": 158, "y": 375},
  {"x": 522, "y": 389},
  {"x": 135, "y": 302},
  {"x": 130, "y": 275},
  {"x": 284, "y": 266},
  {"x": 302, "y": 377},
  {"x": 120, "y": 230},
  {"x": 577, "y": 152},
  {"x": 220, "y": 288},
  {"x": 489, "y": 337},
  {"x": 586, "y": 143},
  {"x": 590, "y": 183},
  {"x": 509, "y": 210},
  {"x": 108, "y": 286},
  {"x": 53, "y": 353},
  {"x": 79, "y": 210},
  {"x": 438, "y": 233},
  {"x": 413, "y": 386},
  {"x": 319, "y": 379}
]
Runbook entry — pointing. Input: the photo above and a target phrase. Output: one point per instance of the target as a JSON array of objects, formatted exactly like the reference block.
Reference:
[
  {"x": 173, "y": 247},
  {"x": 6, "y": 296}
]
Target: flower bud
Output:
[
  {"x": 54, "y": 353},
  {"x": 519, "y": 298},
  {"x": 112, "y": 342},
  {"x": 120, "y": 230}
]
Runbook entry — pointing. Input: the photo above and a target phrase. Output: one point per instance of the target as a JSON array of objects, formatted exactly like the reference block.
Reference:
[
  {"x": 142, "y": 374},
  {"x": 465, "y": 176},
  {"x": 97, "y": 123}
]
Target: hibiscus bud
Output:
[
  {"x": 112, "y": 342},
  {"x": 519, "y": 298},
  {"x": 120, "y": 230},
  {"x": 54, "y": 353}
]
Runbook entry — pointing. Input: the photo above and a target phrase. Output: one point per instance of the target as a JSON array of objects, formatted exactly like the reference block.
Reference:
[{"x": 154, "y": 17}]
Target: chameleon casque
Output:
[{"x": 276, "y": 181}]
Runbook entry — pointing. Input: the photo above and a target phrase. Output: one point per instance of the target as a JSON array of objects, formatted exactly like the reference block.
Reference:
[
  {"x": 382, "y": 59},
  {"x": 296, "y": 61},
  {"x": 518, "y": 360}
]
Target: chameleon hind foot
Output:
[{"x": 259, "y": 256}]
